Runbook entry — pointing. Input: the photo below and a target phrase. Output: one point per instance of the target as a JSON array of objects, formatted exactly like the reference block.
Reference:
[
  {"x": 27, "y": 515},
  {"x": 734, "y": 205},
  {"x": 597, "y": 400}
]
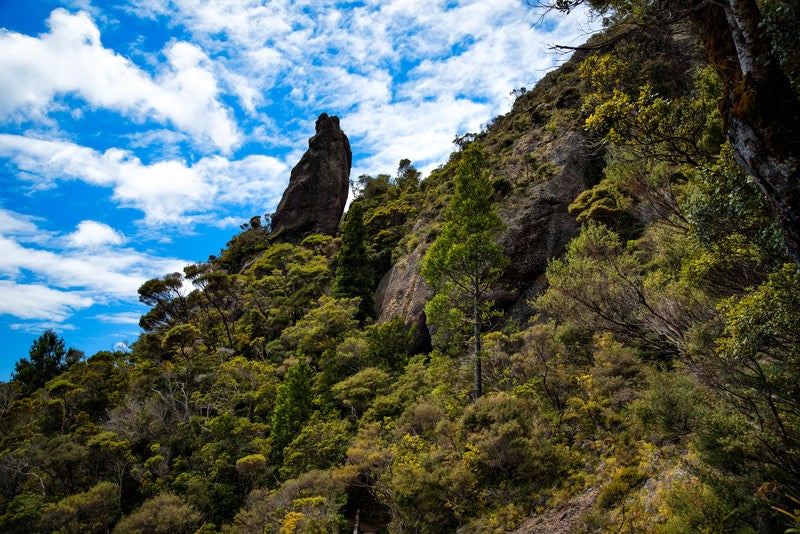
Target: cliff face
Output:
[
  {"x": 538, "y": 227},
  {"x": 540, "y": 161},
  {"x": 538, "y": 222},
  {"x": 315, "y": 198}
]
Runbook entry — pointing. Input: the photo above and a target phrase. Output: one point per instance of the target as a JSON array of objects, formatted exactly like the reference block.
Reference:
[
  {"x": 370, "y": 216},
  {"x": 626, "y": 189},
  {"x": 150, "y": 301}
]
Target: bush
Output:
[{"x": 163, "y": 514}]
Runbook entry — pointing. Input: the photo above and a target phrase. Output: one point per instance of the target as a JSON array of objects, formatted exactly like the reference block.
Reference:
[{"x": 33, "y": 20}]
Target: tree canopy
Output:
[
  {"x": 643, "y": 376},
  {"x": 760, "y": 107},
  {"x": 464, "y": 261}
]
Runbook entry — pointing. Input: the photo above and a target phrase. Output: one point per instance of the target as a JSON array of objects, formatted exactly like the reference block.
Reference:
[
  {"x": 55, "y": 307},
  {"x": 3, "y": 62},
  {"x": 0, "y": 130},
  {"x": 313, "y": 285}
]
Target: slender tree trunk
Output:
[
  {"x": 760, "y": 110},
  {"x": 476, "y": 330}
]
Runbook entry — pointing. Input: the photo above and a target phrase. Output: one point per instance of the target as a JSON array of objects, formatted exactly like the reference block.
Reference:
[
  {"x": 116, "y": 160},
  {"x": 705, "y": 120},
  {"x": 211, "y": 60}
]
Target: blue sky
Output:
[{"x": 136, "y": 136}]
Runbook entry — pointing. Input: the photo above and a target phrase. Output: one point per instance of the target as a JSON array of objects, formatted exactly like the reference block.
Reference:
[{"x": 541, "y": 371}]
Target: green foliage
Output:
[
  {"x": 323, "y": 327},
  {"x": 281, "y": 286},
  {"x": 654, "y": 391},
  {"x": 243, "y": 247},
  {"x": 320, "y": 444},
  {"x": 390, "y": 205},
  {"x": 358, "y": 391},
  {"x": 242, "y": 387},
  {"x": 309, "y": 503},
  {"x": 672, "y": 406},
  {"x": 217, "y": 299},
  {"x": 46, "y": 360},
  {"x": 95, "y": 511},
  {"x": 417, "y": 483},
  {"x": 619, "y": 486},
  {"x": 389, "y": 344},
  {"x": 293, "y": 406},
  {"x": 22, "y": 513},
  {"x": 354, "y": 277},
  {"x": 737, "y": 238},
  {"x": 464, "y": 253},
  {"x": 755, "y": 365},
  {"x": 167, "y": 300},
  {"x": 601, "y": 286},
  {"x": 181, "y": 339},
  {"x": 413, "y": 383},
  {"x": 464, "y": 261},
  {"x": 682, "y": 130},
  {"x": 693, "y": 507},
  {"x": 508, "y": 447},
  {"x": 163, "y": 514},
  {"x": 603, "y": 203}
]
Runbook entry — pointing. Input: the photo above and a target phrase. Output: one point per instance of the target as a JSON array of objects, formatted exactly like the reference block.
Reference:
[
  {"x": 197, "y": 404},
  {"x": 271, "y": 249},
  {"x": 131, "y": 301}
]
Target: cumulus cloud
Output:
[
  {"x": 417, "y": 131},
  {"x": 71, "y": 59},
  {"x": 383, "y": 57},
  {"x": 42, "y": 283},
  {"x": 37, "y": 301},
  {"x": 167, "y": 192},
  {"x": 118, "y": 273},
  {"x": 92, "y": 234},
  {"x": 17, "y": 224},
  {"x": 294, "y": 58}
]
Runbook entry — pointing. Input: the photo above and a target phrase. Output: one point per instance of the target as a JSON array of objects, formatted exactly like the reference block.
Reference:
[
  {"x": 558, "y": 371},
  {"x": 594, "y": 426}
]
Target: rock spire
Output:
[{"x": 314, "y": 201}]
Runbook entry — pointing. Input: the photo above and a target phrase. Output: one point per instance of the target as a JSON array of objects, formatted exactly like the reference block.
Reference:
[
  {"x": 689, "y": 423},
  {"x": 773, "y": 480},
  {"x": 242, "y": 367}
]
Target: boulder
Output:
[{"x": 314, "y": 201}]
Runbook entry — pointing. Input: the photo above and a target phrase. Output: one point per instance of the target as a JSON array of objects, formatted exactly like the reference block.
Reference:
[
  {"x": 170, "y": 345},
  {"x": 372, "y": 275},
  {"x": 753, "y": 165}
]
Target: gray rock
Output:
[
  {"x": 538, "y": 227},
  {"x": 403, "y": 293},
  {"x": 314, "y": 201}
]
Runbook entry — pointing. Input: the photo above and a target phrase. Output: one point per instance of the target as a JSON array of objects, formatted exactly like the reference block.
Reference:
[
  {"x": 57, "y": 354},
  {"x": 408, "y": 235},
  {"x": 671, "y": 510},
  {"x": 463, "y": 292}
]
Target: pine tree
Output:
[
  {"x": 464, "y": 261},
  {"x": 354, "y": 277},
  {"x": 47, "y": 360},
  {"x": 293, "y": 406}
]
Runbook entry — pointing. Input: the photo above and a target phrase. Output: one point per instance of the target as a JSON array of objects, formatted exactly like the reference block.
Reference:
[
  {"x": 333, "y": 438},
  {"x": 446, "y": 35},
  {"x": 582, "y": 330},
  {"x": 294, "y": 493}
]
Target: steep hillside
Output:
[
  {"x": 626, "y": 363},
  {"x": 540, "y": 160}
]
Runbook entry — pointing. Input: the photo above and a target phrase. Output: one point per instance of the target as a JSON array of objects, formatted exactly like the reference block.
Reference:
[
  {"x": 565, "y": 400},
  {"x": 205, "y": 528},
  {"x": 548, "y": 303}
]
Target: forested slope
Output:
[{"x": 638, "y": 334}]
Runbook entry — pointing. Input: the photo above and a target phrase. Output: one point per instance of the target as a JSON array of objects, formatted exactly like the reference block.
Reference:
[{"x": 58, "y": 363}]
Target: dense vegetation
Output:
[{"x": 652, "y": 387}]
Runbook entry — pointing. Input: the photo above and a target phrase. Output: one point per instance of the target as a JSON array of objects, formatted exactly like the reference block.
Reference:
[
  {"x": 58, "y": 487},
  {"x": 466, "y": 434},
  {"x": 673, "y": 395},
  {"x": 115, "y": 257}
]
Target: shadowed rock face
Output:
[
  {"x": 538, "y": 227},
  {"x": 315, "y": 199}
]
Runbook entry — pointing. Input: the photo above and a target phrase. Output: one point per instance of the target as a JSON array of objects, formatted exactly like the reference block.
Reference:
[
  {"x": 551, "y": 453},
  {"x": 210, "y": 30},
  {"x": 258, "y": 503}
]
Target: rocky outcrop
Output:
[
  {"x": 539, "y": 171},
  {"x": 565, "y": 519},
  {"x": 538, "y": 227},
  {"x": 403, "y": 293},
  {"x": 314, "y": 201}
]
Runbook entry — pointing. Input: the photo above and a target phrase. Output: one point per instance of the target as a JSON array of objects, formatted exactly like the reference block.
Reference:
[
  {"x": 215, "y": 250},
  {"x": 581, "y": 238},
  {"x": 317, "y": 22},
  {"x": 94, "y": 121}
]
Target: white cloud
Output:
[
  {"x": 42, "y": 283},
  {"x": 37, "y": 301},
  {"x": 298, "y": 58},
  {"x": 92, "y": 234},
  {"x": 117, "y": 273},
  {"x": 255, "y": 181},
  {"x": 18, "y": 224},
  {"x": 394, "y": 58},
  {"x": 70, "y": 59},
  {"x": 127, "y": 318},
  {"x": 417, "y": 131},
  {"x": 167, "y": 192}
]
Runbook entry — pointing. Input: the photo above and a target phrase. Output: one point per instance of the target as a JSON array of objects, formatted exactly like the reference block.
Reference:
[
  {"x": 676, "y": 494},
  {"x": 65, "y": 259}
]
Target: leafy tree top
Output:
[
  {"x": 465, "y": 252},
  {"x": 47, "y": 359}
]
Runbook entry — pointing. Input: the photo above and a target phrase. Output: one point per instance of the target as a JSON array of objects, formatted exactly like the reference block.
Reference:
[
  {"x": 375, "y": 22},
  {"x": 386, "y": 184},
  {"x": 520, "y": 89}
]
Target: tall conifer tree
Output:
[
  {"x": 354, "y": 277},
  {"x": 464, "y": 261},
  {"x": 47, "y": 360},
  {"x": 293, "y": 406}
]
